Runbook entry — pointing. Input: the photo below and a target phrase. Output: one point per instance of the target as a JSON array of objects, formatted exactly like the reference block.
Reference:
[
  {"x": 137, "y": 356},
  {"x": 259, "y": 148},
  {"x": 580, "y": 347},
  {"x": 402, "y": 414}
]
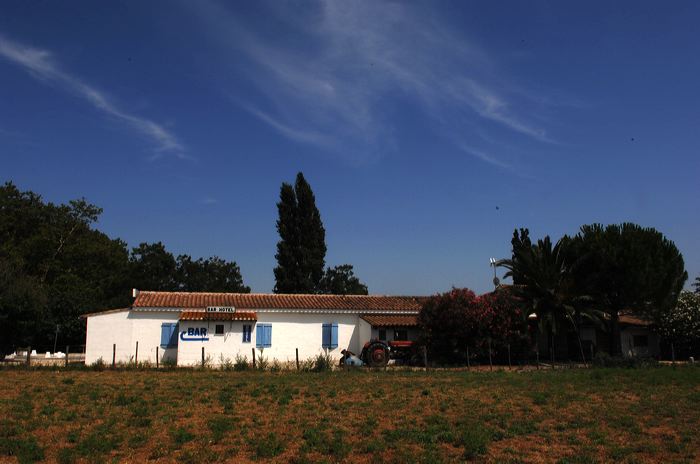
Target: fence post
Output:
[
  {"x": 537, "y": 357},
  {"x": 136, "y": 360},
  {"x": 490, "y": 361},
  {"x": 67, "y": 352},
  {"x": 157, "y": 358},
  {"x": 114, "y": 355},
  {"x": 425, "y": 357},
  {"x": 253, "y": 350},
  {"x": 202, "y": 357},
  {"x": 591, "y": 353},
  {"x": 297, "y": 358},
  {"x": 673, "y": 355},
  {"x": 469, "y": 364},
  {"x": 509, "y": 365},
  {"x": 552, "y": 351},
  {"x": 29, "y": 356}
]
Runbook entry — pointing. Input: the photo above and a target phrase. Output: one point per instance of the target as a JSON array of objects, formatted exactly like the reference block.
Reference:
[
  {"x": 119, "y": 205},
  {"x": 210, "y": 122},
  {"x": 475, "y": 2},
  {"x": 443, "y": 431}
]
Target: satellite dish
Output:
[{"x": 496, "y": 282}]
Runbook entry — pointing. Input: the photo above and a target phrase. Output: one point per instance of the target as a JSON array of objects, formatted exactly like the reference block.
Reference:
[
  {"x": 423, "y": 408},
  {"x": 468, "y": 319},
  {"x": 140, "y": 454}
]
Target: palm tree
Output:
[{"x": 541, "y": 276}]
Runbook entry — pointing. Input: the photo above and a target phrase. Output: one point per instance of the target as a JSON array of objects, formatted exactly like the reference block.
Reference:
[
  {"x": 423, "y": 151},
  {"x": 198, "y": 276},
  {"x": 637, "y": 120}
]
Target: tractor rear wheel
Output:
[{"x": 377, "y": 354}]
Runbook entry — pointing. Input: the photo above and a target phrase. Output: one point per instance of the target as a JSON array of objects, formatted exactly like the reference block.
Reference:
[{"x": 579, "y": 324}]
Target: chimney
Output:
[{"x": 134, "y": 292}]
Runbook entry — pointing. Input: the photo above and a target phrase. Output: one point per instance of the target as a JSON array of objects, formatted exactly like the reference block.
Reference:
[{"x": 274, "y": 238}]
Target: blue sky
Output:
[{"x": 428, "y": 130}]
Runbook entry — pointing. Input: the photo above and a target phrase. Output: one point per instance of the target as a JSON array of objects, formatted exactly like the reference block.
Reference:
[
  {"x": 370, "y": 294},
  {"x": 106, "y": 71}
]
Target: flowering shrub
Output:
[
  {"x": 681, "y": 325},
  {"x": 458, "y": 319},
  {"x": 504, "y": 320}
]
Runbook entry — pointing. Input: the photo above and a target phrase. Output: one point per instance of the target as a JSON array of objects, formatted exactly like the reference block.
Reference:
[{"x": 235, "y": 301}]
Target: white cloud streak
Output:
[
  {"x": 484, "y": 156},
  {"x": 328, "y": 73},
  {"x": 41, "y": 65}
]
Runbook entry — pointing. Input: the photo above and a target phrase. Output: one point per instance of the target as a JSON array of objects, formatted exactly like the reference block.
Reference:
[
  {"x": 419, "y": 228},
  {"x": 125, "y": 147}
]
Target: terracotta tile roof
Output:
[
  {"x": 627, "y": 319},
  {"x": 391, "y": 320},
  {"x": 361, "y": 303},
  {"x": 210, "y": 316}
]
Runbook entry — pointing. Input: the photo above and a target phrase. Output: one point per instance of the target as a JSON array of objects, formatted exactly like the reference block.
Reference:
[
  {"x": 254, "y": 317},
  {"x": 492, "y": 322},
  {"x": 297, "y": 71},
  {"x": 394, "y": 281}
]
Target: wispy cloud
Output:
[
  {"x": 483, "y": 156},
  {"x": 42, "y": 65},
  {"x": 299, "y": 135},
  {"x": 333, "y": 73}
]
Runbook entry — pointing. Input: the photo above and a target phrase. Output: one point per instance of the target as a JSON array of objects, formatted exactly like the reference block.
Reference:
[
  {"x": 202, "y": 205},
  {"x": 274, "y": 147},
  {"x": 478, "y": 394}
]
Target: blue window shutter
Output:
[
  {"x": 326, "y": 336},
  {"x": 259, "y": 336},
  {"x": 268, "y": 335},
  {"x": 334, "y": 335},
  {"x": 165, "y": 334}
]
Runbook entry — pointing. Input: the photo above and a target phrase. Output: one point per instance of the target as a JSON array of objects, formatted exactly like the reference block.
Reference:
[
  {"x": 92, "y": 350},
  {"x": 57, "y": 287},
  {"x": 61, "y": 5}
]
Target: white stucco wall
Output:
[
  {"x": 365, "y": 331},
  {"x": 289, "y": 332},
  {"x": 627, "y": 342},
  {"x": 146, "y": 330},
  {"x": 229, "y": 345},
  {"x": 304, "y": 331},
  {"x": 104, "y": 330},
  {"x": 124, "y": 329}
]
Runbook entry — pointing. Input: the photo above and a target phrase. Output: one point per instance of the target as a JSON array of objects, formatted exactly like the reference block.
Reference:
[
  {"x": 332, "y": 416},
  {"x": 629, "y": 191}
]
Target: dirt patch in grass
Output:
[{"x": 578, "y": 415}]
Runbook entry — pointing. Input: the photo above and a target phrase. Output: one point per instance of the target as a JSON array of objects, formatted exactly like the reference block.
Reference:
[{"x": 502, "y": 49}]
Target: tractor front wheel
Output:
[{"x": 377, "y": 355}]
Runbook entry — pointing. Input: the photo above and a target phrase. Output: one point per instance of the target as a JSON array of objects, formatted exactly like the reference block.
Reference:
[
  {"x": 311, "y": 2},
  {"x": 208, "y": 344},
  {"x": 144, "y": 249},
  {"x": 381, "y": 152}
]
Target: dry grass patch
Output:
[{"x": 574, "y": 416}]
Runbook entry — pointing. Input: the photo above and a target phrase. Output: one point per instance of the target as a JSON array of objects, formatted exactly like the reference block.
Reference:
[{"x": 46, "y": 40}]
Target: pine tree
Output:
[{"x": 301, "y": 250}]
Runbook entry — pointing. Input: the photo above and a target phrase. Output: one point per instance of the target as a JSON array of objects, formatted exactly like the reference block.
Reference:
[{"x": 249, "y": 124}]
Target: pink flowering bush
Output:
[{"x": 459, "y": 319}]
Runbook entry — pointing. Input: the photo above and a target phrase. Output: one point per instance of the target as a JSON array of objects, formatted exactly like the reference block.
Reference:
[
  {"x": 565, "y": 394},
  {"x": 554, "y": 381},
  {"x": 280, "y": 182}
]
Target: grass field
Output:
[{"x": 572, "y": 416}]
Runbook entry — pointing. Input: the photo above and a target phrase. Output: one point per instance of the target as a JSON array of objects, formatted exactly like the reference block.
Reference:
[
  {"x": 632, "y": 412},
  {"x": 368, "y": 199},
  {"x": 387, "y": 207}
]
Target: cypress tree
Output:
[{"x": 301, "y": 250}]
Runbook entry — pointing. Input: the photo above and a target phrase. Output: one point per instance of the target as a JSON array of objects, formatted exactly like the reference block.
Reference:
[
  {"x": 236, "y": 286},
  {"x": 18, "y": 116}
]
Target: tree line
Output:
[{"x": 592, "y": 277}]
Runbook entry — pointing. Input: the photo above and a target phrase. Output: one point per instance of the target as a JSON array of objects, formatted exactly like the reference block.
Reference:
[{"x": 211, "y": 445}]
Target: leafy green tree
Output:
[
  {"x": 23, "y": 307},
  {"x": 209, "y": 275},
  {"x": 681, "y": 325},
  {"x": 341, "y": 280},
  {"x": 91, "y": 274},
  {"x": 153, "y": 267},
  {"x": 54, "y": 267},
  {"x": 301, "y": 250},
  {"x": 627, "y": 267}
]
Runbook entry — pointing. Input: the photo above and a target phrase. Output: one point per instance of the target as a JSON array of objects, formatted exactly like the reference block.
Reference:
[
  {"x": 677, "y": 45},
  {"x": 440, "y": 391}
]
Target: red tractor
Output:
[{"x": 377, "y": 353}]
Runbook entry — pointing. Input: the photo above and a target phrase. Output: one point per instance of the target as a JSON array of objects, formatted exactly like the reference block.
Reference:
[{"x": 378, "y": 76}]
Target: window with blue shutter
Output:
[
  {"x": 168, "y": 334},
  {"x": 329, "y": 337},
  {"x": 263, "y": 335},
  {"x": 268, "y": 335}
]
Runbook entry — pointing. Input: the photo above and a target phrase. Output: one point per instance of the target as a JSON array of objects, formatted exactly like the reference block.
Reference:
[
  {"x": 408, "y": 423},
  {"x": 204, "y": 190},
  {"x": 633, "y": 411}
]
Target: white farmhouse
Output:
[{"x": 182, "y": 327}]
